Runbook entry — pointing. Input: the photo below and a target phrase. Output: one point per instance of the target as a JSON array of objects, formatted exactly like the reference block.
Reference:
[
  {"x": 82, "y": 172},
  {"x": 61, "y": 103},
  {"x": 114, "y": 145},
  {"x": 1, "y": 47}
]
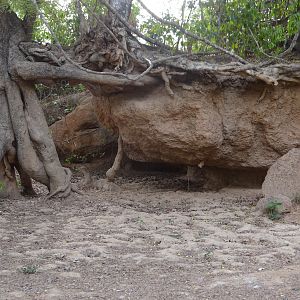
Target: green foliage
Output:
[
  {"x": 163, "y": 33},
  {"x": 63, "y": 88},
  {"x": 135, "y": 12},
  {"x": 74, "y": 158},
  {"x": 18, "y": 182},
  {"x": 2, "y": 186},
  {"x": 29, "y": 269},
  {"x": 272, "y": 210},
  {"x": 21, "y": 7},
  {"x": 69, "y": 109},
  {"x": 249, "y": 28},
  {"x": 62, "y": 20}
]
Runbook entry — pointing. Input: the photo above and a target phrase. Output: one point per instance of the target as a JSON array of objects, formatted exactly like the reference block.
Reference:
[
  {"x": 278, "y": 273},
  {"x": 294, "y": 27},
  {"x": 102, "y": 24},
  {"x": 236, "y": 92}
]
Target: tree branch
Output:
[
  {"x": 60, "y": 46},
  {"x": 83, "y": 25},
  {"x": 292, "y": 45},
  {"x": 112, "y": 172},
  {"x": 283, "y": 54},
  {"x": 192, "y": 35},
  {"x": 111, "y": 33},
  {"x": 262, "y": 50},
  {"x": 132, "y": 29},
  {"x": 270, "y": 75},
  {"x": 40, "y": 71}
]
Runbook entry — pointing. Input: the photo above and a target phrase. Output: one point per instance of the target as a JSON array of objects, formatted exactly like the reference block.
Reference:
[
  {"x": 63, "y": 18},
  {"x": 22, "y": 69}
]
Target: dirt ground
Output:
[{"x": 152, "y": 239}]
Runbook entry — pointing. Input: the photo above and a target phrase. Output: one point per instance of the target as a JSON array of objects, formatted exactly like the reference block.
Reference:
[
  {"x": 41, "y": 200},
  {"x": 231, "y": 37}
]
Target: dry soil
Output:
[{"x": 152, "y": 239}]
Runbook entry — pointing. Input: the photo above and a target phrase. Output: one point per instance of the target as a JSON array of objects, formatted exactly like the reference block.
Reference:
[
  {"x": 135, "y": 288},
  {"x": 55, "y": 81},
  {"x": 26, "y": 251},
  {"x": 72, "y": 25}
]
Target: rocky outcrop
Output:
[
  {"x": 283, "y": 177},
  {"x": 79, "y": 132},
  {"x": 249, "y": 125}
]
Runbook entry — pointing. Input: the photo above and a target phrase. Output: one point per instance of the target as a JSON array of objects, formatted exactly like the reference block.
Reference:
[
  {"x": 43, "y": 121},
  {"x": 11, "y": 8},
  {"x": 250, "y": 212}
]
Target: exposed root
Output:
[
  {"x": 112, "y": 172},
  {"x": 8, "y": 185},
  {"x": 41, "y": 71},
  {"x": 76, "y": 190},
  {"x": 25, "y": 182},
  {"x": 25, "y": 141},
  {"x": 132, "y": 28},
  {"x": 8, "y": 169},
  {"x": 67, "y": 192},
  {"x": 263, "y": 95},
  {"x": 26, "y": 154},
  {"x": 65, "y": 189},
  {"x": 87, "y": 181},
  {"x": 90, "y": 182},
  {"x": 166, "y": 79}
]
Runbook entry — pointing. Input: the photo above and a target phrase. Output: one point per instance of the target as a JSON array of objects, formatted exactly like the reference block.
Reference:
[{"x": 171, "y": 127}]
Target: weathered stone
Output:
[
  {"x": 283, "y": 177},
  {"x": 80, "y": 133},
  {"x": 106, "y": 186},
  {"x": 285, "y": 206},
  {"x": 244, "y": 127}
]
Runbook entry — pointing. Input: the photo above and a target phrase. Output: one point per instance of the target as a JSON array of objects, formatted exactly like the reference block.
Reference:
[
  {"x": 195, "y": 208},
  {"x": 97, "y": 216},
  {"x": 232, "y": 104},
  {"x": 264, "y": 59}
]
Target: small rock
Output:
[
  {"x": 283, "y": 177},
  {"x": 285, "y": 207},
  {"x": 107, "y": 186}
]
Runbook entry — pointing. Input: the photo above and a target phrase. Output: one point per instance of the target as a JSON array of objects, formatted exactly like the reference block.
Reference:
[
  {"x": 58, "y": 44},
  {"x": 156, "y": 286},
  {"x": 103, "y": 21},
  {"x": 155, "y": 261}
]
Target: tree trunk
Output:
[
  {"x": 123, "y": 7},
  {"x": 83, "y": 25},
  {"x": 25, "y": 141}
]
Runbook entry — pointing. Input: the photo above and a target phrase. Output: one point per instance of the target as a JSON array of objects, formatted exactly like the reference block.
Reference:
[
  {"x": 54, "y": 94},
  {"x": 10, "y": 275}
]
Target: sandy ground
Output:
[{"x": 150, "y": 240}]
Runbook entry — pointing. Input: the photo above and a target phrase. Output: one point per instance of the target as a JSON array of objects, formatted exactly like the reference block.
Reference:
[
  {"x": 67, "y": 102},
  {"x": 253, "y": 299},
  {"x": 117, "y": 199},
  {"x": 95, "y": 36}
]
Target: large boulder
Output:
[
  {"x": 79, "y": 132},
  {"x": 283, "y": 177},
  {"x": 249, "y": 125}
]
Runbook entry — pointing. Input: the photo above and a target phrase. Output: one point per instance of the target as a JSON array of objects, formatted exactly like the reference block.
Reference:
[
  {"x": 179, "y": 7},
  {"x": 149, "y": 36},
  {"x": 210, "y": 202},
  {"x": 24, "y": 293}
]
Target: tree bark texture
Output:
[
  {"x": 123, "y": 7},
  {"x": 25, "y": 141}
]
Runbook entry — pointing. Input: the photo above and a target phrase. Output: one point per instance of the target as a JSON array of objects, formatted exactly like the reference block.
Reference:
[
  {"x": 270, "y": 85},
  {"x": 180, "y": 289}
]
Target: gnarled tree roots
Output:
[
  {"x": 26, "y": 145},
  {"x": 112, "y": 172},
  {"x": 25, "y": 141}
]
